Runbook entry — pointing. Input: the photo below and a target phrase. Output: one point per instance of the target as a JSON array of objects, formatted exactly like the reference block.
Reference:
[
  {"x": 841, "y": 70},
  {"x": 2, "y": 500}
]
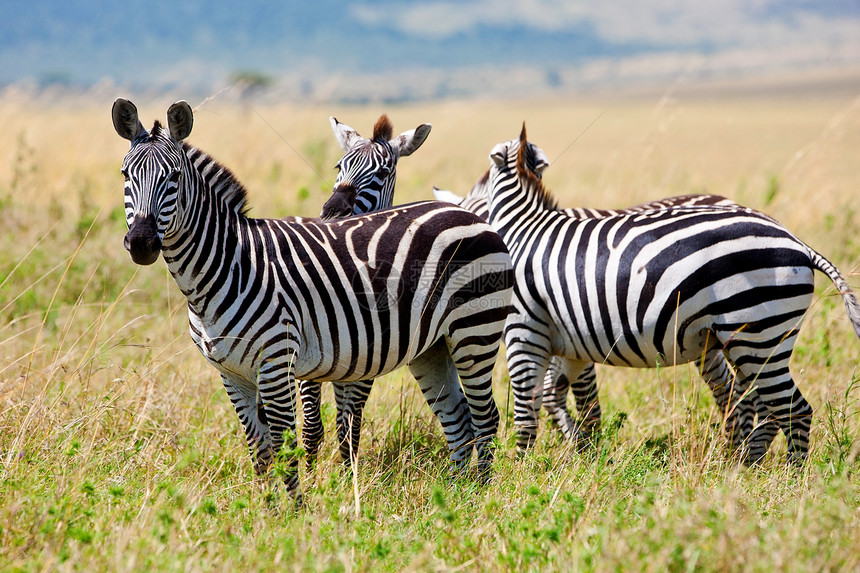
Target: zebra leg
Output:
[
  {"x": 312, "y": 426},
  {"x": 555, "y": 387},
  {"x": 740, "y": 405},
  {"x": 763, "y": 432},
  {"x": 278, "y": 396},
  {"x": 737, "y": 411},
  {"x": 436, "y": 375},
  {"x": 766, "y": 366},
  {"x": 474, "y": 357},
  {"x": 350, "y": 398},
  {"x": 557, "y": 381},
  {"x": 528, "y": 358},
  {"x": 584, "y": 389},
  {"x": 252, "y": 415}
]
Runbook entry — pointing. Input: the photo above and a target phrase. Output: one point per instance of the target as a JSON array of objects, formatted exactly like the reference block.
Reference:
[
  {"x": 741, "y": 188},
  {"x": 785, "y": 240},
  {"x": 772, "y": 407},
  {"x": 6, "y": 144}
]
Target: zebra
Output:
[
  {"x": 559, "y": 377},
  {"x": 365, "y": 183},
  {"x": 426, "y": 286},
  {"x": 725, "y": 287},
  {"x": 370, "y": 165}
]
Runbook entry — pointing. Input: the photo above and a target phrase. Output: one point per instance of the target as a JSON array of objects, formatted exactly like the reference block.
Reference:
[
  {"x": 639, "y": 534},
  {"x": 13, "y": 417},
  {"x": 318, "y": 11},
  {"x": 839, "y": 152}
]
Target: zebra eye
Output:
[
  {"x": 124, "y": 174},
  {"x": 174, "y": 176}
]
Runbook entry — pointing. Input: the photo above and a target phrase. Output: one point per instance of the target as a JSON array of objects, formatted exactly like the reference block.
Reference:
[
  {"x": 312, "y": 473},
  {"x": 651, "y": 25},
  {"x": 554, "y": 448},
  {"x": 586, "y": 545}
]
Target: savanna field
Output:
[{"x": 119, "y": 449}]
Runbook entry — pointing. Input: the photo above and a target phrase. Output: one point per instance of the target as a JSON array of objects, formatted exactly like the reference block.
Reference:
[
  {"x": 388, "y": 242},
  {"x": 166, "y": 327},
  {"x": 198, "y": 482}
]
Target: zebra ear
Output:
[
  {"x": 409, "y": 141},
  {"x": 499, "y": 154},
  {"x": 346, "y": 136},
  {"x": 125, "y": 119},
  {"x": 180, "y": 120},
  {"x": 446, "y": 196},
  {"x": 541, "y": 160}
]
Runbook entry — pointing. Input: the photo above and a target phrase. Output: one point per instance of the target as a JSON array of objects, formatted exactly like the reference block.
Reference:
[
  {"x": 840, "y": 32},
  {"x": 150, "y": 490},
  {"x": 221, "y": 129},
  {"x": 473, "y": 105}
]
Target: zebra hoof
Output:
[
  {"x": 458, "y": 470},
  {"x": 750, "y": 453},
  {"x": 754, "y": 456},
  {"x": 281, "y": 493}
]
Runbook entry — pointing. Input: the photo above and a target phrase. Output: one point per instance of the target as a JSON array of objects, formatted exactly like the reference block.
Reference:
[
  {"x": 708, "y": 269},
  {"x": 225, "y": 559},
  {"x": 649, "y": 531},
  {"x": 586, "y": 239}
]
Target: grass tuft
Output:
[{"x": 119, "y": 449}]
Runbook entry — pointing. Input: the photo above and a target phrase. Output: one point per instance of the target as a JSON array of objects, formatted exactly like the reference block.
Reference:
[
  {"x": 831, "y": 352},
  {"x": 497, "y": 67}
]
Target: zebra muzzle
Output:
[
  {"x": 341, "y": 203},
  {"x": 142, "y": 240}
]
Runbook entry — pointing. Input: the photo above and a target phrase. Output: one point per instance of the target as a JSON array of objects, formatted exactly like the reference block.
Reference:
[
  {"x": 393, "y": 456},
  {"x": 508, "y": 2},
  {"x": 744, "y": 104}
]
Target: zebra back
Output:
[{"x": 476, "y": 199}]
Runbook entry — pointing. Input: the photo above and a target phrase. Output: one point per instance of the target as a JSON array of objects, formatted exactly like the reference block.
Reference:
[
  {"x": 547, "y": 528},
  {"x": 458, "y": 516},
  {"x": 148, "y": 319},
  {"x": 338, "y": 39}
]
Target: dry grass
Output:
[{"x": 120, "y": 451}]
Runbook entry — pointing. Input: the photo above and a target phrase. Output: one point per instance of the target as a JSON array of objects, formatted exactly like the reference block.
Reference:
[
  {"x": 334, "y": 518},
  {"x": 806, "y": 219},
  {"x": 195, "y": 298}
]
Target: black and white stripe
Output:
[
  {"x": 561, "y": 377},
  {"x": 722, "y": 286},
  {"x": 367, "y": 174},
  {"x": 425, "y": 285}
]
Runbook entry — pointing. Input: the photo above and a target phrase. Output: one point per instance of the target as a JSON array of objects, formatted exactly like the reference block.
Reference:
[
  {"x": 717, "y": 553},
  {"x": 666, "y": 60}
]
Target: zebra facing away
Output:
[
  {"x": 425, "y": 285},
  {"x": 559, "y": 377},
  {"x": 723, "y": 286},
  {"x": 367, "y": 173}
]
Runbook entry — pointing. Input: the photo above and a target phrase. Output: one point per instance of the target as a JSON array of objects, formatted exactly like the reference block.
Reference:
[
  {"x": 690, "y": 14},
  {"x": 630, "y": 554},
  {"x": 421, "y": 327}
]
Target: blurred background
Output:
[
  {"x": 119, "y": 449},
  {"x": 387, "y": 52}
]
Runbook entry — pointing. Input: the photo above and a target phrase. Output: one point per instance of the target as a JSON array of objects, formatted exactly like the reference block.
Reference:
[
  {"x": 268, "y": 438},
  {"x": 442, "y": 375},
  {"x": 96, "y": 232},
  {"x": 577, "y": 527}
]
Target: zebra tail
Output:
[{"x": 848, "y": 297}]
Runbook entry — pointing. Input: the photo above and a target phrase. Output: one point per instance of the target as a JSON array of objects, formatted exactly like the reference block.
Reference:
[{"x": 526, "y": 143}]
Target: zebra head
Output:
[
  {"x": 369, "y": 164},
  {"x": 515, "y": 187},
  {"x": 520, "y": 155},
  {"x": 476, "y": 199},
  {"x": 153, "y": 175}
]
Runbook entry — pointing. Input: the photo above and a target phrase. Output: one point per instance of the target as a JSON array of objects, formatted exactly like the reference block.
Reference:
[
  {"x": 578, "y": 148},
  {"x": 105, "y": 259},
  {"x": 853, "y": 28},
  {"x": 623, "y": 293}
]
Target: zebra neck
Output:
[
  {"x": 368, "y": 201},
  {"x": 386, "y": 196},
  {"x": 514, "y": 208},
  {"x": 204, "y": 239}
]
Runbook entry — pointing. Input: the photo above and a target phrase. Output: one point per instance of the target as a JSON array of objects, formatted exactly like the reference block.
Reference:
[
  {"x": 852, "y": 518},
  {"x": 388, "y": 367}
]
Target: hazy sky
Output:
[{"x": 325, "y": 43}]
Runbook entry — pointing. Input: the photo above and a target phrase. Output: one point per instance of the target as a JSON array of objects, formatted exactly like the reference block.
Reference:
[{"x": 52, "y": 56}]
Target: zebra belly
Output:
[
  {"x": 221, "y": 352},
  {"x": 241, "y": 353},
  {"x": 317, "y": 361},
  {"x": 226, "y": 356},
  {"x": 340, "y": 373},
  {"x": 622, "y": 352}
]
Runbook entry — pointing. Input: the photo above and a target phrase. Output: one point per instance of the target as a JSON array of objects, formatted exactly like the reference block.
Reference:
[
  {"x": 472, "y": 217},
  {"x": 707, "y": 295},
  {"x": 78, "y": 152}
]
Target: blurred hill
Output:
[{"x": 394, "y": 52}]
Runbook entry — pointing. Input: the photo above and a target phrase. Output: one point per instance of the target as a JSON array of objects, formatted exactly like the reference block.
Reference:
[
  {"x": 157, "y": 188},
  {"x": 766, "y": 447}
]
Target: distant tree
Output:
[
  {"x": 552, "y": 78},
  {"x": 249, "y": 83}
]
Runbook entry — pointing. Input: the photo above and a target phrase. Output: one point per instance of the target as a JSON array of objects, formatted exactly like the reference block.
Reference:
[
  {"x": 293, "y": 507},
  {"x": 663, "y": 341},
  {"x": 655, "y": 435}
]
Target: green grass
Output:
[{"x": 119, "y": 449}]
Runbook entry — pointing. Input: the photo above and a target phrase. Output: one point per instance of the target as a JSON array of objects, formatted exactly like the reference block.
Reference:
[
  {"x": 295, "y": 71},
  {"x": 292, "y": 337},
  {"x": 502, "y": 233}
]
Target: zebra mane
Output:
[
  {"x": 531, "y": 183},
  {"x": 151, "y": 135},
  {"x": 383, "y": 129},
  {"x": 156, "y": 130},
  {"x": 221, "y": 182}
]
